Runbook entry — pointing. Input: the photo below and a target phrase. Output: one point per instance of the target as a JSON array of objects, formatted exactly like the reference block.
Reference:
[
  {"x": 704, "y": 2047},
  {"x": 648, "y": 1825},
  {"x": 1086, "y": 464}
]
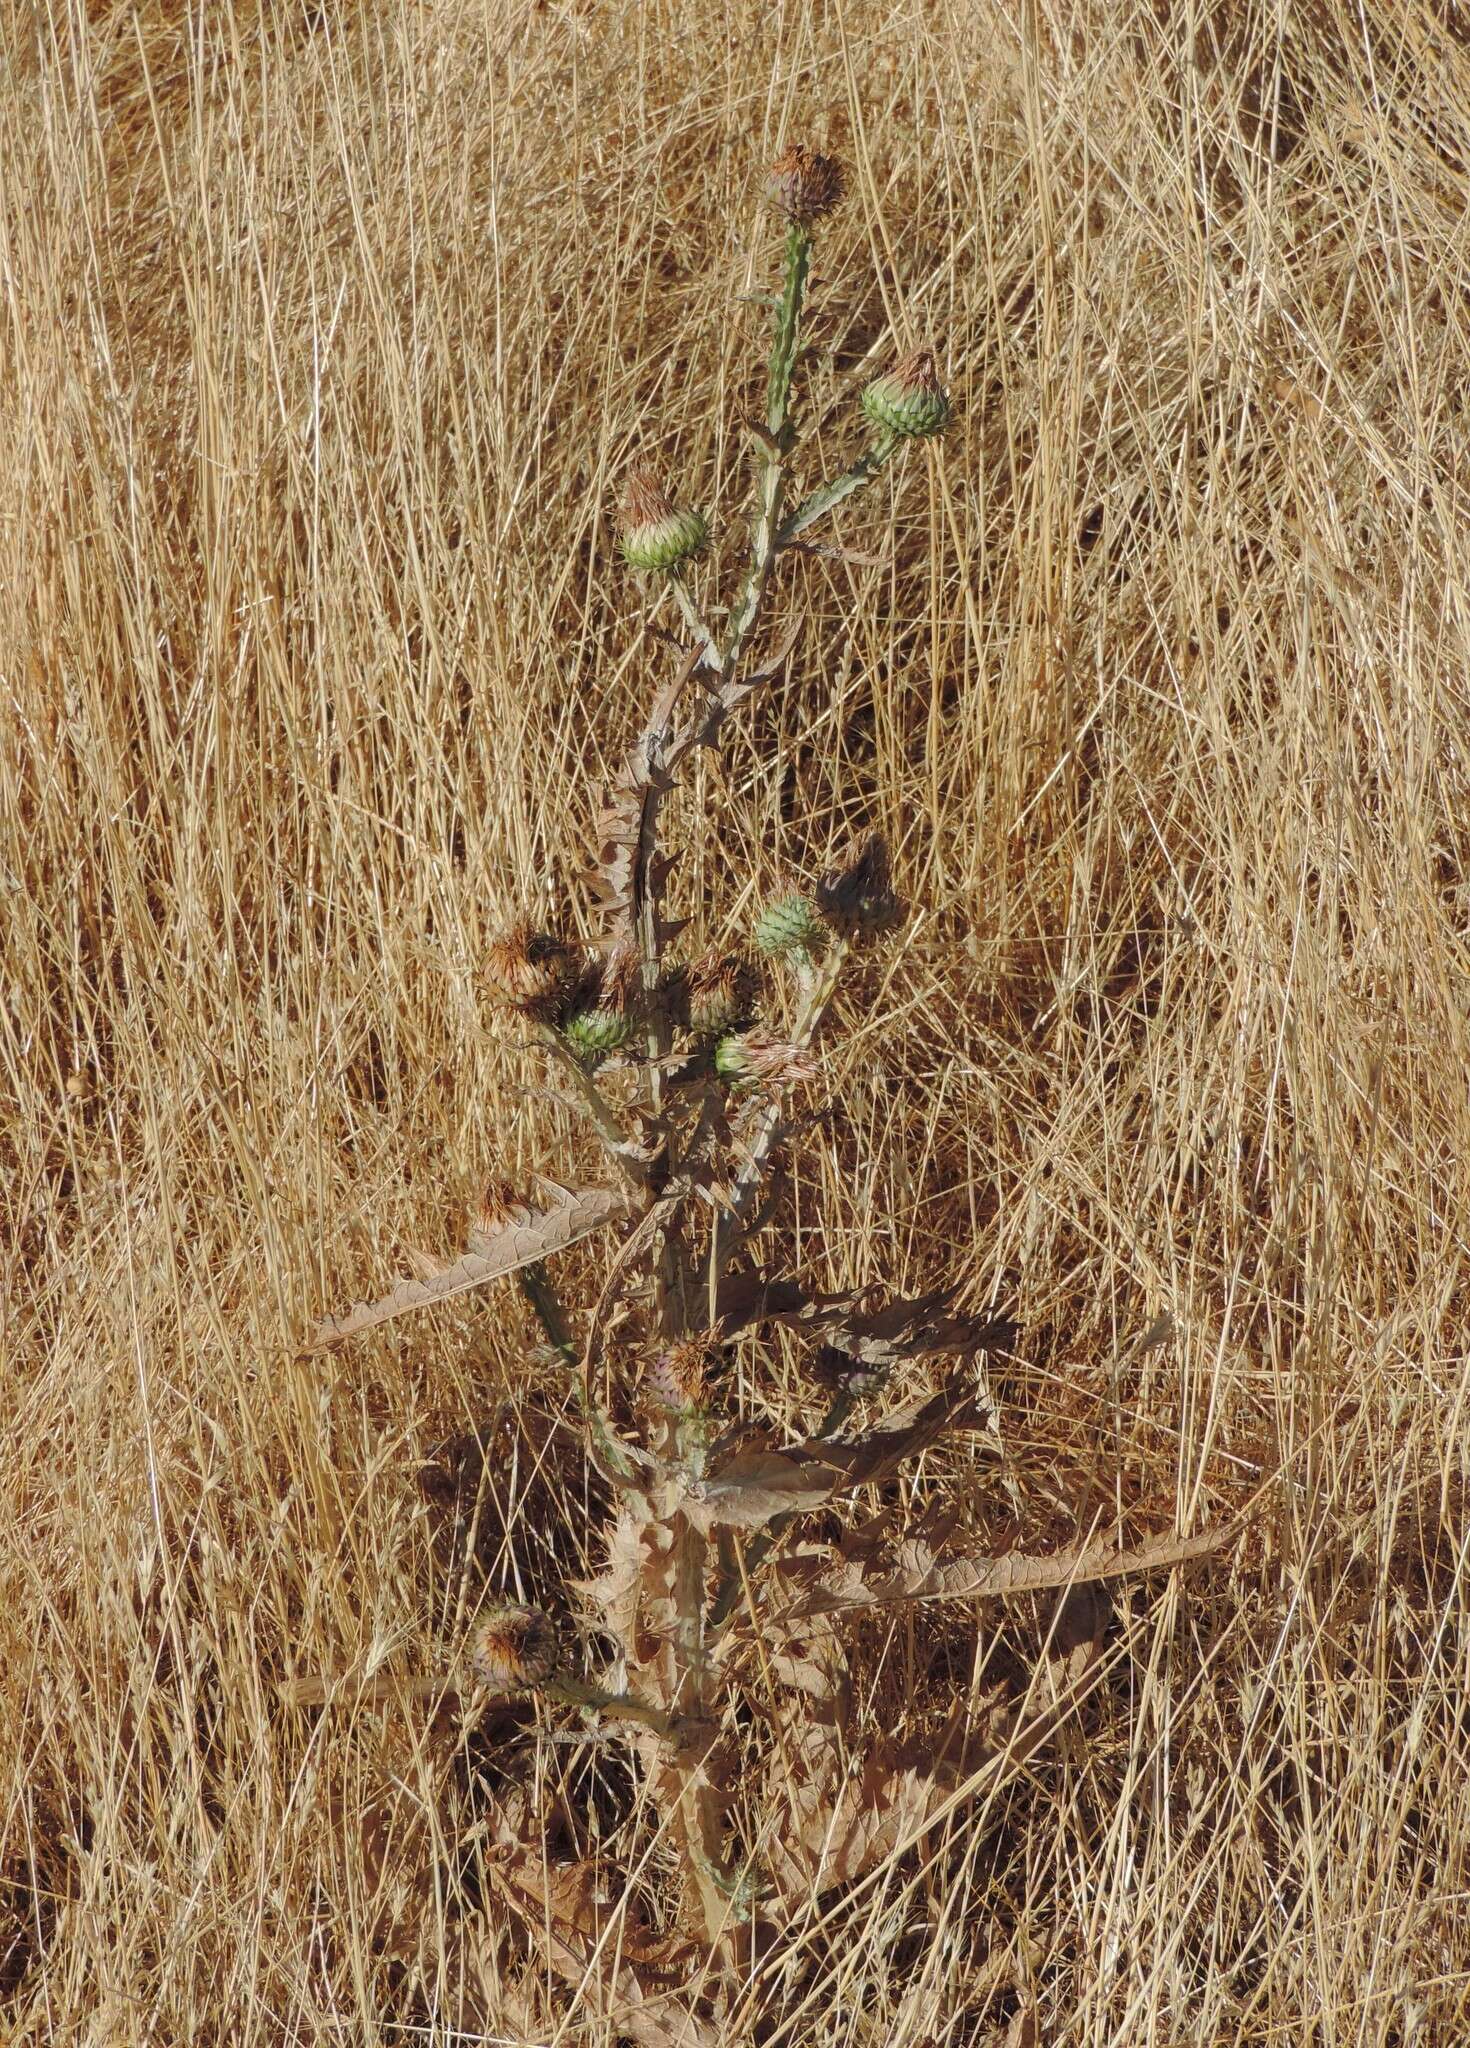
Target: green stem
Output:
[
  {"x": 600, "y": 1112},
  {"x": 618, "y": 1706},
  {"x": 776, "y": 445},
  {"x": 828, "y": 495},
  {"x": 694, "y": 620}
]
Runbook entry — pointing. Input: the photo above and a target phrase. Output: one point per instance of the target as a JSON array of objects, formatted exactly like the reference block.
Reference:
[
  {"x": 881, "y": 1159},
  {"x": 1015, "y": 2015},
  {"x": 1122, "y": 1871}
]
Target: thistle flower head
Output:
[
  {"x": 909, "y": 399},
  {"x": 754, "y": 1059},
  {"x": 607, "y": 1019},
  {"x": 720, "y": 992},
  {"x": 500, "y": 1206},
  {"x": 656, "y": 535},
  {"x": 805, "y": 187},
  {"x": 859, "y": 900},
  {"x": 534, "y": 972},
  {"x": 790, "y": 928},
  {"x": 514, "y": 1647},
  {"x": 678, "y": 1376}
]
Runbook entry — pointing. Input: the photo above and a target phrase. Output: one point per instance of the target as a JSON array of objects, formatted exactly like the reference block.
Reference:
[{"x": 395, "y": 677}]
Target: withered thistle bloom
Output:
[
  {"x": 720, "y": 994},
  {"x": 859, "y": 901},
  {"x": 909, "y": 399},
  {"x": 656, "y": 535},
  {"x": 805, "y": 187},
  {"x": 611, "y": 1013},
  {"x": 790, "y": 929},
  {"x": 755, "y": 1059},
  {"x": 514, "y": 1647},
  {"x": 534, "y": 972},
  {"x": 678, "y": 1376},
  {"x": 500, "y": 1207}
]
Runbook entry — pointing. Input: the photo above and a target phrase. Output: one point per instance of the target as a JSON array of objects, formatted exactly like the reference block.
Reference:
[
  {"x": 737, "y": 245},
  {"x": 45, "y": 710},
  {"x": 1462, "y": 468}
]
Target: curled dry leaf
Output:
[
  {"x": 848, "y": 1587},
  {"x": 571, "y": 1213}
]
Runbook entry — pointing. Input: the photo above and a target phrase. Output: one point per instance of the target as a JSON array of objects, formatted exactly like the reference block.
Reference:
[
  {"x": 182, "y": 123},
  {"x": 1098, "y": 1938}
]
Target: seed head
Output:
[
  {"x": 805, "y": 187},
  {"x": 514, "y": 1647},
  {"x": 859, "y": 900},
  {"x": 677, "y": 1377},
  {"x": 909, "y": 399},
  {"x": 720, "y": 994},
  {"x": 656, "y": 535},
  {"x": 754, "y": 1059},
  {"x": 534, "y": 972},
  {"x": 790, "y": 929}
]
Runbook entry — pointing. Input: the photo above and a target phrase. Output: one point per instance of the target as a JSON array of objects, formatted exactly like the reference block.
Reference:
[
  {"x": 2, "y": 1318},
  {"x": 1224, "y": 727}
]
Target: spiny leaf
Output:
[
  {"x": 847, "y": 1588},
  {"x": 912, "y": 1327},
  {"x": 526, "y": 1237}
]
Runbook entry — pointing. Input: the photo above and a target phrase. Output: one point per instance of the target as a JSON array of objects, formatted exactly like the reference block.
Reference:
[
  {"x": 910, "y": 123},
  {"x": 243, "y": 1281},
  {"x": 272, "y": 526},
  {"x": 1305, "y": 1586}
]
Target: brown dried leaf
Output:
[
  {"x": 754, "y": 1488},
  {"x": 849, "y": 1588},
  {"x": 904, "y": 1328},
  {"x": 581, "y": 1939},
  {"x": 572, "y": 1214}
]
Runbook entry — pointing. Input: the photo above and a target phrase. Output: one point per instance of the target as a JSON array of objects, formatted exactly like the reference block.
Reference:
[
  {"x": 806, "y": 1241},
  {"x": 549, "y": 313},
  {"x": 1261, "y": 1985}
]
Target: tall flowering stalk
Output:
[{"x": 687, "y": 1091}]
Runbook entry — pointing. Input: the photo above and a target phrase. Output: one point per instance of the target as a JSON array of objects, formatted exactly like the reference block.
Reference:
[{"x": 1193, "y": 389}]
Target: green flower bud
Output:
[
  {"x": 593, "y": 1034},
  {"x": 790, "y": 928},
  {"x": 909, "y": 399},
  {"x": 655, "y": 534}
]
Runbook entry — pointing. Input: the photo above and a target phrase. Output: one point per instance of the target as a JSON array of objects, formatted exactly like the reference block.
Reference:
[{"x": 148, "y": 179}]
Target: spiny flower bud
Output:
[
  {"x": 789, "y": 928},
  {"x": 608, "y": 1021},
  {"x": 720, "y": 994},
  {"x": 909, "y": 399},
  {"x": 678, "y": 1376},
  {"x": 859, "y": 900},
  {"x": 655, "y": 534},
  {"x": 513, "y": 1647},
  {"x": 757, "y": 1060},
  {"x": 534, "y": 972},
  {"x": 803, "y": 186}
]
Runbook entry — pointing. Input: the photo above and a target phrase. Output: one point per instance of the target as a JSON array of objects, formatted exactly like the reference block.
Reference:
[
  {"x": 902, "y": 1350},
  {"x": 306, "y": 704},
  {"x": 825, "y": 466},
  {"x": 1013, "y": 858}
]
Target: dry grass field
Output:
[{"x": 328, "y": 332}]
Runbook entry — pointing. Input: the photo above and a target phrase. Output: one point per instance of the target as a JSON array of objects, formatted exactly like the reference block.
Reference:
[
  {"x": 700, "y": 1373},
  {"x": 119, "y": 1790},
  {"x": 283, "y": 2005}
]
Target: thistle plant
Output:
[{"x": 710, "y": 1562}]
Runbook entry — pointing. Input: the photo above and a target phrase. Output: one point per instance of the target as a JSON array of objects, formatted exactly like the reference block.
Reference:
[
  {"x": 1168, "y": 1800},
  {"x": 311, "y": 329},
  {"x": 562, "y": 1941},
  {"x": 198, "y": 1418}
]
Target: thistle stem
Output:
[
  {"x": 777, "y": 441},
  {"x": 828, "y": 495}
]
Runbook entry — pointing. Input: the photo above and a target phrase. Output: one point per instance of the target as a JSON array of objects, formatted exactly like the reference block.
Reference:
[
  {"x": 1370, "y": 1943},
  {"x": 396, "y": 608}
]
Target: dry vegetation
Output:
[{"x": 327, "y": 334}]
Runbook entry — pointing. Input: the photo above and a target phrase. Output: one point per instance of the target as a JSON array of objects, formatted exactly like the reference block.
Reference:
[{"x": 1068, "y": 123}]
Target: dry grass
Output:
[{"x": 327, "y": 332}]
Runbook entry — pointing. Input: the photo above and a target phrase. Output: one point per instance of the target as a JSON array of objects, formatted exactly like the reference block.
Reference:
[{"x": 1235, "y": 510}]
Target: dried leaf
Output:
[
  {"x": 848, "y": 1587},
  {"x": 755, "y": 1488},
  {"x": 573, "y": 1214},
  {"x": 915, "y": 1327}
]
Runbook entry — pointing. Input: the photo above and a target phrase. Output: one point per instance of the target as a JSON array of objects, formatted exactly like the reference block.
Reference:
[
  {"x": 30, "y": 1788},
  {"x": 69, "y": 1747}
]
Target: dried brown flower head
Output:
[
  {"x": 859, "y": 900},
  {"x": 720, "y": 993},
  {"x": 678, "y": 1376},
  {"x": 804, "y": 186},
  {"x": 514, "y": 1646},
  {"x": 500, "y": 1206},
  {"x": 534, "y": 972}
]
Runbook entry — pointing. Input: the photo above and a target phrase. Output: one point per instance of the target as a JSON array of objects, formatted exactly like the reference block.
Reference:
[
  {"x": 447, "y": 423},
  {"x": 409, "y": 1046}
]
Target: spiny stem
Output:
[
  {"x": 776, "y": 445},
  {"x": 600, "y": 1112},
  {"x": 828, "y": 495},
  {"x": 694, "y": 620}
]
